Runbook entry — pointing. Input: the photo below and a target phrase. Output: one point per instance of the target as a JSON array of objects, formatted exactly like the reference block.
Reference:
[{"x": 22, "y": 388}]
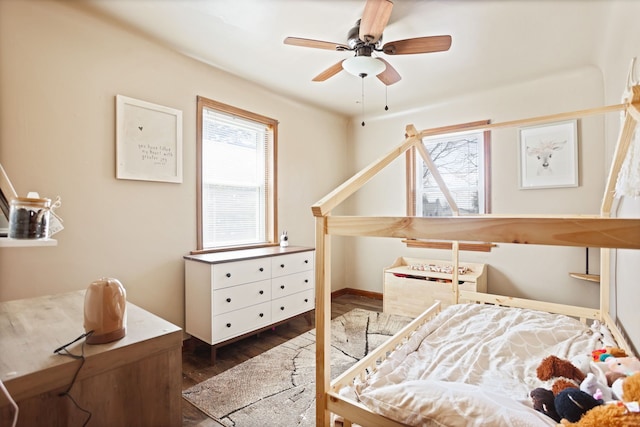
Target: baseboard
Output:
[{"x": 358, "y": 292}]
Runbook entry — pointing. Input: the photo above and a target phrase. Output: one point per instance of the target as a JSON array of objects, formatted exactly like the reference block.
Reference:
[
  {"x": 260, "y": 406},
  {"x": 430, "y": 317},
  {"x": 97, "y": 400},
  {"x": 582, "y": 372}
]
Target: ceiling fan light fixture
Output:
[{"x": 362, "y": 66}]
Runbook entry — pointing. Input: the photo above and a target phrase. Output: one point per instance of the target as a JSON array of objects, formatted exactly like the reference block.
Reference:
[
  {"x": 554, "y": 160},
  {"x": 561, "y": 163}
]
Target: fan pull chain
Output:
[
  {"x": 386, "y": 102},
  {"x": 362, "y": 76}
]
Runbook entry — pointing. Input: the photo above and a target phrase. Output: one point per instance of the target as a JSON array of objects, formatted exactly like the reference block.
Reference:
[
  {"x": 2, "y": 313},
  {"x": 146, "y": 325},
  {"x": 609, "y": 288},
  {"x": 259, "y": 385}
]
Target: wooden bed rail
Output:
[
  {"x": 581, "y": 313},
  {"x": 357, "y": 411},
  {"x": 382, "y": 352},
  {"x": 368, "y": 365},
  {"x": 579, "y": 231}
]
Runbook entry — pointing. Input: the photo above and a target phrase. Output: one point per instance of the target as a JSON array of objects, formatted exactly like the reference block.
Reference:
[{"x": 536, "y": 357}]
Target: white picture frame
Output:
[
  {"x": 548, "y": 155},
  {"x": 148, "y": 141}
]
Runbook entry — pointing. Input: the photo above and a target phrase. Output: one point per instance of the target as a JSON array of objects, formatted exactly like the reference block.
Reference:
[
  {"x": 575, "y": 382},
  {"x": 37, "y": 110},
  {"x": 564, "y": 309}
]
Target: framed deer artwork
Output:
[{"x": 549, "y": 155}]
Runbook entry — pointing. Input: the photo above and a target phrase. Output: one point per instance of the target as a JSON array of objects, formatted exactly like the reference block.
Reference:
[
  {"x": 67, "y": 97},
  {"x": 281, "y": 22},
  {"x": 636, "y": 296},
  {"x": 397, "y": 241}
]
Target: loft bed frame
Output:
[{"x": 600, "y": 231}]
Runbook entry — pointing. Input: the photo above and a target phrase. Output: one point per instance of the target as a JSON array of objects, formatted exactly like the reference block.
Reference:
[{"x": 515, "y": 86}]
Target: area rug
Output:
[{"x": 277, "y": 387}]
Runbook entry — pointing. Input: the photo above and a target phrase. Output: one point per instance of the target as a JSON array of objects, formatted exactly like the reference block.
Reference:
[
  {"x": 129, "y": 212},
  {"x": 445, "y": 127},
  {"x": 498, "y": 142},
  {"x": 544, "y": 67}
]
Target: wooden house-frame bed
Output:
[{"x": 599, "y": 231}]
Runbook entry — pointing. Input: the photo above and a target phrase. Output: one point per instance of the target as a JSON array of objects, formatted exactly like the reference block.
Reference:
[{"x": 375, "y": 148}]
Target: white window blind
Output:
[
  {"x": 460, "y": 160},
  {"x": 235, "y": 180}
]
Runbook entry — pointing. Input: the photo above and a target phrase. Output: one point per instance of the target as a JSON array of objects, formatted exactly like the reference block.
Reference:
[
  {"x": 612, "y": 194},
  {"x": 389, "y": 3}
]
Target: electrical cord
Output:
[
  {"x": 80, "y": 356},
  {"x": 13, "y": 403}
]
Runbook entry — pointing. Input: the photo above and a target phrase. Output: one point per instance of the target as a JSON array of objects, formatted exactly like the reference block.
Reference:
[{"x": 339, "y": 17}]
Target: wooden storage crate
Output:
[{"x": 409, "y": 291}]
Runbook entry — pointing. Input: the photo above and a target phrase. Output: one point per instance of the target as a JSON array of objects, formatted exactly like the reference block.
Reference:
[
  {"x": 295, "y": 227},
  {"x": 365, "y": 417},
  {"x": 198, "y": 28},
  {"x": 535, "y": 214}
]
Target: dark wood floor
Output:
[{"x": 196, "y": 366}]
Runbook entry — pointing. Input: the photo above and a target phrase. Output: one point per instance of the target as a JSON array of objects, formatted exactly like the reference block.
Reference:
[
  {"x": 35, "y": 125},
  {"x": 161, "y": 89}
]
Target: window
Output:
[
  {"x": 236, "y": 155},
  {"x": 462, "y": 160}
]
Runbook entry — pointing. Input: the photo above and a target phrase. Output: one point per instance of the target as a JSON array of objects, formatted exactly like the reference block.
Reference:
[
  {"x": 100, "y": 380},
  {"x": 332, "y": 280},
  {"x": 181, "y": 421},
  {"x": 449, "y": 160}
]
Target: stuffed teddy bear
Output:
[{"x": 619, "y": 414}]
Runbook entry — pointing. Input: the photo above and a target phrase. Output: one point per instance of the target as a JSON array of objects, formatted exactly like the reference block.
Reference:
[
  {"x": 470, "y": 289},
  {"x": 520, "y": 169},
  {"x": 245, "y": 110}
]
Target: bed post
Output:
[
  {"x": 323, "y": 321},
  {"x": 625, "y": 137}
]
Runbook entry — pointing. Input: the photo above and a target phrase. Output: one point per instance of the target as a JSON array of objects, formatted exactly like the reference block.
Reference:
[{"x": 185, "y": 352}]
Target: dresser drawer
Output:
[
  {"x": 291, "y": 305},
  {"x": 282, "y": 265},
  {"x": 233, "y": 323},
  {"x": 234, "y": 273},
  {"x": 237, "y": 297},
  {"x": 287, "y": 285}
]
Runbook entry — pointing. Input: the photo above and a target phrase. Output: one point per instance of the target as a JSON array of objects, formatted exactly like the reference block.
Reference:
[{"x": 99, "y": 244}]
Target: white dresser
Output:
[{"x": 229, "y": 295}]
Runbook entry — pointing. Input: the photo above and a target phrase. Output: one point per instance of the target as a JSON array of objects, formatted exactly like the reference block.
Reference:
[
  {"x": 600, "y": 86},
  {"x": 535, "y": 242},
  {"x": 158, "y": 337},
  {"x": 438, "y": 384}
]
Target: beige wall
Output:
[{"x": 60, "y": 70}]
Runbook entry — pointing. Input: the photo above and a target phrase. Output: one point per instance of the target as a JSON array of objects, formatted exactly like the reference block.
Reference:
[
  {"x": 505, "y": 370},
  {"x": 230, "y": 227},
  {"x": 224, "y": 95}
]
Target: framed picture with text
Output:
[{"x": 148, "y": 141}]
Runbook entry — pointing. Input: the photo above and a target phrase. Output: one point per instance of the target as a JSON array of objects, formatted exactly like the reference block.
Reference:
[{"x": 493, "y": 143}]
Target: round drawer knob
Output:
[
  {"x": 228, "y": 325},
  {"x": 306, "y": 300},
  {"x": 228, "y": 274},
  {"x": 261, "y": 269},
  {"x": 281, "y": 308},
  {"x": 306, "y": 280},
  {"x": 228, "y": 299},
  {"x": 261, "y": 292},
  {"x": 281, "y": 265},
  {"x": 306, "y": 261},
  {"x": 261, "y": 314},
  {"x": 281, "y": 286}
]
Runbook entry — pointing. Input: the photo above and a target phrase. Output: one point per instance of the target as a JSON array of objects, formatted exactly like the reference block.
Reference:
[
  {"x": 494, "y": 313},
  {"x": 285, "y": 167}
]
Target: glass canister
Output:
[{"x": 29, "y": 218}]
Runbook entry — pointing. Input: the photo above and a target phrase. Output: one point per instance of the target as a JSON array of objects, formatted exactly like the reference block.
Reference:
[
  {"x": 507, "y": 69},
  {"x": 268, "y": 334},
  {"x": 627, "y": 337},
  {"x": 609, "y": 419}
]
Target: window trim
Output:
[{"x": 271, "y": 219}]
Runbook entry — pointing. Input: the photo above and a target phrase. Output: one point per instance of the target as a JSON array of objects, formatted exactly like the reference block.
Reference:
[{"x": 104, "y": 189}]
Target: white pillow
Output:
[{"x": 440, "y": 403}]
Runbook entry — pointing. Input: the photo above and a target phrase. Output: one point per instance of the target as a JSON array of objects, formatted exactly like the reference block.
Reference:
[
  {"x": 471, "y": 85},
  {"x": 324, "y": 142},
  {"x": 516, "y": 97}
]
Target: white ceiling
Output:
[{"x": 494, "y": 43}]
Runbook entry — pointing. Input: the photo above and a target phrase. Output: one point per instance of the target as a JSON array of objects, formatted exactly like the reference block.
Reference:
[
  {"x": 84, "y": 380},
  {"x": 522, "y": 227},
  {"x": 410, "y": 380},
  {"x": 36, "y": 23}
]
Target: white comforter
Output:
[{"x": 491, "y": 353}]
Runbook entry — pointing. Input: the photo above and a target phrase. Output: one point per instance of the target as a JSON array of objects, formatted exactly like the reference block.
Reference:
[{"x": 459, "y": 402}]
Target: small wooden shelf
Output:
[
  {"x": 588, "y": 277},
  {"x": 6, "y": 242}
]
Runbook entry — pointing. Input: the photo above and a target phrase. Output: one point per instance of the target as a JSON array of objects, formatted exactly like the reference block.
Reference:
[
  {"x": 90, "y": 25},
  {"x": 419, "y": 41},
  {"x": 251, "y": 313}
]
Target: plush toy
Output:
[
  {"x": 613, "y": 376},
  {"x": 620, "y": 414},
  {"x": 571, "y": 404},
  {"x": 568, "y": 375},
  {"x": 617, "y": 369},
  {"x": 543, "y": 401},
  {"x": 631, "y": 388},
  {"x": 595, "y": 388},
  {"x": 624, "y": 365},
  {"x": 601, "y": 354}
]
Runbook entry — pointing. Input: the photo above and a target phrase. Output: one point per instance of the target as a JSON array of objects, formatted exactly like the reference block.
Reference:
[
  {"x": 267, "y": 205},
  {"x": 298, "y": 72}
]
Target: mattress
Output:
[{"x": 475, "y": 364}]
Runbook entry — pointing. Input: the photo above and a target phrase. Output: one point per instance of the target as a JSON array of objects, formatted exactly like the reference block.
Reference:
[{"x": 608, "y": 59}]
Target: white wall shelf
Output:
[{"x": 6, "y": 242}]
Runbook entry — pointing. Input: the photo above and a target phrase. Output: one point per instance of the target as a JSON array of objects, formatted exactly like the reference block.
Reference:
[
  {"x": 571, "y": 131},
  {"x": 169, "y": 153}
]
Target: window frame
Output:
[
  {"x": 271, "y": 208},
  {"x": 411, "y": 187},
  {"x": 412, "y": 155}
]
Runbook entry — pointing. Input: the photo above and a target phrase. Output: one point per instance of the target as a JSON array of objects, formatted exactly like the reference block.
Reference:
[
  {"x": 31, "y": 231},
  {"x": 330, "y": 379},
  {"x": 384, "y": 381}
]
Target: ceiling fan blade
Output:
[
  {"x": 389, "y": 76},
  {"x": 329, "y": 72},
  {"x": 374, "y": 19},
  {"x": 418, "y": 45},
  {"x": 318, "y": 44}
]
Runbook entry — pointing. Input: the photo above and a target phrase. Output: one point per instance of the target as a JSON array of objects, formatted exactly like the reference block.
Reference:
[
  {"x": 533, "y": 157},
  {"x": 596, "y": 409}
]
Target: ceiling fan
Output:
[{"x": 365, "y": 38}]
